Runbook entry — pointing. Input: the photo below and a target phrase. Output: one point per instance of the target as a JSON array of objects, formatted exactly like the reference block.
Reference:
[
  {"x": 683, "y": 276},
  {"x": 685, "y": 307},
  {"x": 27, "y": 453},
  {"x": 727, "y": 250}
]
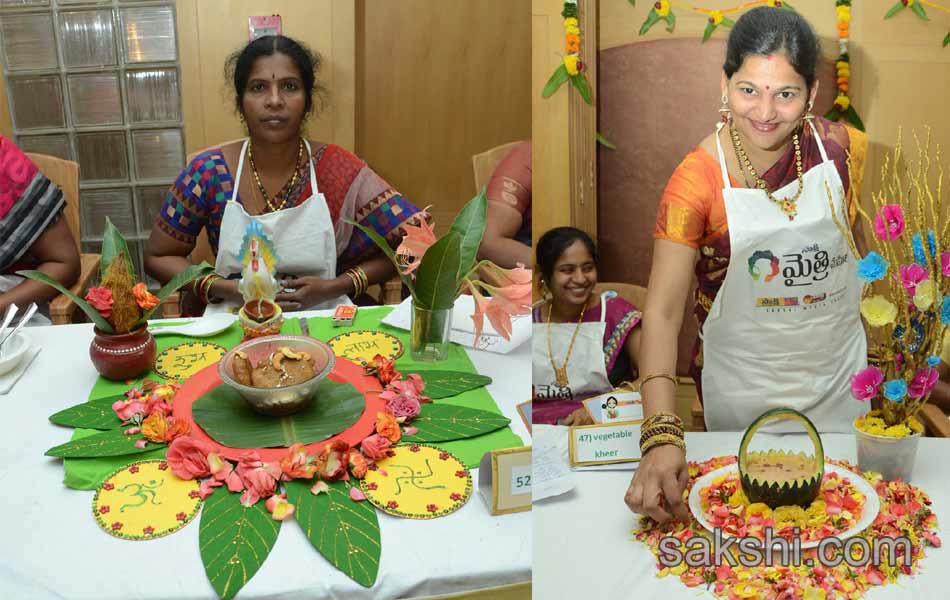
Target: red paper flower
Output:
[
  {"x": 134, "y": 469},
  {"x": 194, "y": 494},
  {"x": 372, "y": 486},
  {"x": 100, "y": 298},
  {"x": 461, "y": 474},
  {"x": 108, "y": 486},
  {"x": 145, "y": 299},
  {"x": 162, "y": 466},
  {"x": 414, "y": 448}
]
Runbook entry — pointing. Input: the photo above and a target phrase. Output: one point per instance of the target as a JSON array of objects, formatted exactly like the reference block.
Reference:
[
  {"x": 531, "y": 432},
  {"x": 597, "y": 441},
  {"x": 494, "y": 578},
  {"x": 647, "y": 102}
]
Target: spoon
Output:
[
  {"x": 202, "y": 327},
  {"x": 11, "y": 312},
  {"x": 29, "y": 313}
]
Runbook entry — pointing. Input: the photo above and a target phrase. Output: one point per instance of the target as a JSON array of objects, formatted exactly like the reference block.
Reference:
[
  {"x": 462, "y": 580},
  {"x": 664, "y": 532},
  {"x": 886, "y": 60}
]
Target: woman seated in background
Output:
[
  {"x": 32, "y": 234},
  {"x": 507, "y": 239},
  {"x": 583, "y": 345},
  {"x": 300, "y": 192}
]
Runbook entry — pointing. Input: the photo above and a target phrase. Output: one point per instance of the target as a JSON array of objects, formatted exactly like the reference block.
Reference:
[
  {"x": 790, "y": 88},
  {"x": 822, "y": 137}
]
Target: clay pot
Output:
[
  {"x": 260, "y": 322},
  {"x": 122, "y": 356}
]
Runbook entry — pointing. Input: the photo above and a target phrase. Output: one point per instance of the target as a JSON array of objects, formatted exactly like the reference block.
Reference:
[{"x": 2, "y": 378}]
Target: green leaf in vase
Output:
[
  {"x": 435, "y": 278},
  {"x": 469, "y": 223}
]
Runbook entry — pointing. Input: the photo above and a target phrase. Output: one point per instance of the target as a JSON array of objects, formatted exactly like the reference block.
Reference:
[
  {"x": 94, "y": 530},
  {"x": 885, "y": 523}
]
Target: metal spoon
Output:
[
  {"x": 29, "y": 313},
  {"x": 11, "y": 312}
]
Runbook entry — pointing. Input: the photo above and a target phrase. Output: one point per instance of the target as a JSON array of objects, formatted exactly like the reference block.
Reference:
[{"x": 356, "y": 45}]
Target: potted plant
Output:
[
  {"x": 120, "y": 307},
  {"x": 437, "y": 270},
  {"x": 906, "y": 306}
]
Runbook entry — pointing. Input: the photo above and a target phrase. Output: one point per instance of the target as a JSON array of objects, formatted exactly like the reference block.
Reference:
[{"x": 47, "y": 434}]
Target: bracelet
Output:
[
  {"x": 363, "y": 278},
  {"x": 662, "y": 418},
  {"x": 660, "y": 440},
  {"x": 196, "y": 285},
  {"x": 357, "y": 282},
  {"x": 665, "y": 429},
  {"x": 206, "y": 286},
  {"x": 658, "y": 375}
]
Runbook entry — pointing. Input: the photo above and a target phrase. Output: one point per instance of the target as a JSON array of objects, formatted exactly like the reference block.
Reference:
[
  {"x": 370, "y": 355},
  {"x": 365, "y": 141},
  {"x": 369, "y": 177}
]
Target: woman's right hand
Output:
[
  {"x": 657, "y": 486},
  {"x": 227, "y": 290}
]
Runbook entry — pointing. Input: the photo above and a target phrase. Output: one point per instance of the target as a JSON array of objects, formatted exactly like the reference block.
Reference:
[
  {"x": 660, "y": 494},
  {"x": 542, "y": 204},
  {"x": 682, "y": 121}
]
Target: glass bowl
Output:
[{"x": 283, "y": 400}]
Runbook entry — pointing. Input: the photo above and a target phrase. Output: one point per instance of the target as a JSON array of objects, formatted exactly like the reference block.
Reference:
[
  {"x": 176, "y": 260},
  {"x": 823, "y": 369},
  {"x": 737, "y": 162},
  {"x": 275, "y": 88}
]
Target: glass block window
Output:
[{"x": 98, "y": 82}]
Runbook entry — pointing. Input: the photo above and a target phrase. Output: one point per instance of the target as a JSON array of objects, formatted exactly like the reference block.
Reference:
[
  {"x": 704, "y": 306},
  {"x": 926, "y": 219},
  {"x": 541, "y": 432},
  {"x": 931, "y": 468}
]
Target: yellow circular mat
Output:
[
  {"x": 418, "y": 482},
  {"x": 363, "y": 345},
  {"x": 145, "y": 500},
  {"x": 184, "y": 360}
]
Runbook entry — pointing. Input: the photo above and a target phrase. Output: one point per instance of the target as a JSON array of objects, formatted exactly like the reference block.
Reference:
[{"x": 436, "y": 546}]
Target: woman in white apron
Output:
[
  {"x": 778, "y": 299},
  {"x": 582, "y": 344},
  {"x": 300, "y": 193},
  {"x": 33, "y": 234}
]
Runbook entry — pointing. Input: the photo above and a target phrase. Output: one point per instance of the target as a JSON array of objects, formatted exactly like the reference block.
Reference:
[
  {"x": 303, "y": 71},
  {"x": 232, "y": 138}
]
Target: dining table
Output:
[
  {"x": 53, "y": 548},
  {"x": 584, "y": 546}
]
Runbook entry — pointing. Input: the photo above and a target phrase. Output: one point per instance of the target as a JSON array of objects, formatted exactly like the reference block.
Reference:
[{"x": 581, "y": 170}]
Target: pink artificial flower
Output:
[
  {"x": 415, "y": 242},
  {"x": 500, "y": 316},
  {"x": 518, "y": 275},
  {"x": 132, "y": 430},
  {"x": 358, "y": 465},
  {"x": 889, "y": 223},
  {"x": 924, "y": 381},
  {"x": 403, "y": 406},
  {"x": 478, "y": 317},
  {"x": 100, "y": 298},
  {"x": 297, "y": 465},
  {"x": 223, "y": 472},
  {"x": 410, "y": 430},
  {"x": 260, "y": 478},
  {"x": 140, "y": 443},
  {"x": 412, "y": 384},
  {"x": 320, "y": 487},
  {"x": 188, "y": 457},
  {"x": 126, "y": 409},
  {"x": 332, "y": 460},
  {"x": 911, "y": 276},
  {"x": 207, "y": 488},
  {"x": 865, "y": 385},
  {"x": 376, "y": 447},
  {"x": 278, "y": 507},
  {"x": 357, "y": 494}
]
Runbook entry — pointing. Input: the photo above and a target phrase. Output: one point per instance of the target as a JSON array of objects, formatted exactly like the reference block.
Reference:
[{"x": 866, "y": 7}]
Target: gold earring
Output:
[
  {"x": 809, "y": 117},
  {"x": 725, "y": 114},
  {"x": 545, "y": 291}
]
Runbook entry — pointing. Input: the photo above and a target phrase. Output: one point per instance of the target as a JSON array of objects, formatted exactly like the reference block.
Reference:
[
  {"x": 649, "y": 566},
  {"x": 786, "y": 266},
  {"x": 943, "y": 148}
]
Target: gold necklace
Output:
[
  {"x": 285, "y": 191},
  {"x": 788, "y": 205},
  {"x": 560, "y": 373}
]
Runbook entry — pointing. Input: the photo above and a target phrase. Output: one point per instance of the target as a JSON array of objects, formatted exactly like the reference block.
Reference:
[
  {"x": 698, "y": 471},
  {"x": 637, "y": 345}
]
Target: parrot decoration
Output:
[{"x": 258, "y": 281}]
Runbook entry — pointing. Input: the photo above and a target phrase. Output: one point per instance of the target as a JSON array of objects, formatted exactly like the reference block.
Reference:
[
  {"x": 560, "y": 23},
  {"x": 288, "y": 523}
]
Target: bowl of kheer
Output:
[{"x": 279, "y": 374}]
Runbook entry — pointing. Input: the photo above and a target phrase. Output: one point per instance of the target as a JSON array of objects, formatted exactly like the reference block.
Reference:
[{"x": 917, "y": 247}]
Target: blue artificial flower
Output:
[
  {"x": 932, "y": 242},
  {"x": 945, "y": 311},
  {"x": 918, "y": 335},
  {"x": 872, "y": 267},
  {"x": 919, "y": 257},
  {"x": 933, "y": 360},
  {"x": 895, "y": 390}
]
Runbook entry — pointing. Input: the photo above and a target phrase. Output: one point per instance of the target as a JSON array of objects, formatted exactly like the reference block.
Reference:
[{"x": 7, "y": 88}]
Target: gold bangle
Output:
[
  {"x": 353, "y": 279},
  {"x": 206, "y": 286},
  {"x": 197, "y": 284},
  {"x": 660, "y": 440},
  {"x": 668, "y": 429},
  {"x": 363, "y": 278},
  {"x": 662, "y": 418},
  {"x": 659, "y": 375}
]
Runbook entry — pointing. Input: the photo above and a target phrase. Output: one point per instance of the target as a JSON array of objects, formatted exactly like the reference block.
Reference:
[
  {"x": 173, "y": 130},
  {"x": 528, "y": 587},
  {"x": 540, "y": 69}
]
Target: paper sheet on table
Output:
[
  {"x": 549, "y": 471},
  {"x": 463, "y": 330}
]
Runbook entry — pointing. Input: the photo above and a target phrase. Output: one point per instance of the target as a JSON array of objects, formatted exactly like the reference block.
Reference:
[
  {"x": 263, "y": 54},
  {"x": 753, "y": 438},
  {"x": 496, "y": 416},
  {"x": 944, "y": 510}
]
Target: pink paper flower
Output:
[
  {"x": 376, "y": 447},
  {"x": 188, "y": 458},
  {"x": 140, "y": 443},
  {"x": 260, "y": 478},
  {"x": 865, "y": 385},
  {"x": 945, "y": 263},
  {"x": 332, "y": 460},
  {"x": 297, "y": 465},
  {"x": 320, "y": 487},
  {"x": 412, "y": 385},
  {"x": 100, "y": 298},
  {"x": 924, "y": 381},
  {"x": 403, "y": 406},
  {"x": 410, "y": 430},
  {"x": 278, "y": 507},
  {"x": 223, "y": 472},
  {"x": 889, "y": 223},
  {"x": 911, "y": 276},
  {"x": 357, "y": 494},
  {"x": 127, "y": 409},
  {"x": 358, "y": 465}
]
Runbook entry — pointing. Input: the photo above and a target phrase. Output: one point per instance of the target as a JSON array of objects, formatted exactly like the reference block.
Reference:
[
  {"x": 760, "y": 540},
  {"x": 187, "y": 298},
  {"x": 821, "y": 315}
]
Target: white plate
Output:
[
  {"x": 872, "y": 504},
  {"x": 13, "y": 351}
]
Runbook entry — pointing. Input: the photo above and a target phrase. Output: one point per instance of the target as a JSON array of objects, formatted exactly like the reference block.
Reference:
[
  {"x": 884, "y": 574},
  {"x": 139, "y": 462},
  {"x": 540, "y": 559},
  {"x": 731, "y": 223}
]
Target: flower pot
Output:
[
  {"x": 892, "y": 457},
  {"x": 431, "y": 330},
  {"x": 122, "y": 356}
]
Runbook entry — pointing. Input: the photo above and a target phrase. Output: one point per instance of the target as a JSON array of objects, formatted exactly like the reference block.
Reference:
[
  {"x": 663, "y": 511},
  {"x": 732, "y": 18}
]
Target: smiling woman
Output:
[{"x": 301, "y": 192}]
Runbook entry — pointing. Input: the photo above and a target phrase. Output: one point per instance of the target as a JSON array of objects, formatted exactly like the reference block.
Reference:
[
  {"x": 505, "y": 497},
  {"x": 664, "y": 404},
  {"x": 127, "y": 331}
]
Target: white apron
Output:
[
  {"x": 785, "y": 328},
  {"x": 40, "y": 317},
  {"x": 586, "y": 370},
  {"x": 303, "y": 238}
]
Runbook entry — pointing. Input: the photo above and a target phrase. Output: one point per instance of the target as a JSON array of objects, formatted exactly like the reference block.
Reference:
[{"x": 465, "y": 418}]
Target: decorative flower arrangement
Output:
[
  {"x": 905, "y": 299},
  {"x": 838, "y": 507},
  {"x": 662, "y": 11},
  {"x": 121, "y": 303},
  {"x": 572, "y": 67},
  {"x": 842, "y": 108},
  {"x": 436, "y": 270},
  {"x": 905, "y": 511}
]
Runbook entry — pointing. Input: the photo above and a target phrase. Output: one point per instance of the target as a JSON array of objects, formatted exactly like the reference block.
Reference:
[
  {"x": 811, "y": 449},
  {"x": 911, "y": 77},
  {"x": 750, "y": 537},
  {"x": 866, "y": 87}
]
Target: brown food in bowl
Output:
[{"x": 282, "y": 368}]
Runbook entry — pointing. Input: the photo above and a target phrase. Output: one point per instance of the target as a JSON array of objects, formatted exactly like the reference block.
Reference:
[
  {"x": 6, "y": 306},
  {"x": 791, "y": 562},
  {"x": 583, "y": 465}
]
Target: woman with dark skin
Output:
[{"x": 274, "y": 86}]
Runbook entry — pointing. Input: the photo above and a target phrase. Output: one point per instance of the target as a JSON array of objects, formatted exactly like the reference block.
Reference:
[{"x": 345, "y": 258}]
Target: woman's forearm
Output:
[
  {"x": 657, "y": 354},
  {"x": 163, "y": 268},
  {"x": 33, "y": 291}
]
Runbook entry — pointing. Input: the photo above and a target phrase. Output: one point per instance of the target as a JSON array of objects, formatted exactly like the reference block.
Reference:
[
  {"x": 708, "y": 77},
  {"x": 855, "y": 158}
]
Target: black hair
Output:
[
  {"x": 765, "y": 30},
  {"x": 237, "y": 68},
  {"x": 553, "y": 244}
]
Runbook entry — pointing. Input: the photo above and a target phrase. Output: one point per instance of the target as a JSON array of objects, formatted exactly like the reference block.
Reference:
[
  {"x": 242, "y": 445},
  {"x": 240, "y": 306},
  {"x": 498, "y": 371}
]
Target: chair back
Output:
[
  {"x": 634, "y": 294},
  {"x": 65, "y": 174},
  {"x": 484, "y": 164}
]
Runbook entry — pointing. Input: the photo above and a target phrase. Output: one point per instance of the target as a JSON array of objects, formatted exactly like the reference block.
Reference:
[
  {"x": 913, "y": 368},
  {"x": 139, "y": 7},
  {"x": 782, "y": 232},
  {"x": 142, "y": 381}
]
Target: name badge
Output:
[
  {"x": 504, "y": 480},
  {"x": 604, "y": 444}
]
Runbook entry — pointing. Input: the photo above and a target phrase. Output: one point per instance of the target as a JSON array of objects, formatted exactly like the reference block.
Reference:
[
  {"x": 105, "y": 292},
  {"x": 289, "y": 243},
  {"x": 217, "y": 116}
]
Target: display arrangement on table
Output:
[{"x": 280, "y": 418}]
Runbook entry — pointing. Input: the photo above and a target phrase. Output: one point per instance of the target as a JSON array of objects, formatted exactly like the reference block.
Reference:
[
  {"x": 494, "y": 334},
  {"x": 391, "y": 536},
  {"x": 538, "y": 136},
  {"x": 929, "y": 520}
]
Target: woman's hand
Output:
[
  {"x": 307, "y": 291},
  {"x": 657, "y": 486},
  {"x": 578, "y": 417}
]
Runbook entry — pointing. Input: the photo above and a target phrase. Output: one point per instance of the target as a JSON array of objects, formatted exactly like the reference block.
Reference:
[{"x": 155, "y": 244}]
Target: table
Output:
[
  {"x": 53, "y": 548},
  {"x": 583, "y": 547}
]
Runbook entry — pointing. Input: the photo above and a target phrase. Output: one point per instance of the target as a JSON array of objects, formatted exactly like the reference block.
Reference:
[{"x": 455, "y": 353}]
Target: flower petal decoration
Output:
[
  {"x": 924, "y": 295},
  {"x": 145, "y": 299},
  {"x": 878, "y": 311},
  {"x": 924, "y": 380},
  {"x": 911, "y": 275},
  {"x": 895, "y": 390},
  {"x": 865, "y": 385},
  {"x": 889, "y": 223},
  {"x": 416, "y": 241},
  {"x": 933, "y": 360},
  {"x": 872, "y": 267},
  {"x": 917, "y": 243},
  {"x": 101, "y": 299},
  {"x": 945, "y": 311},
  {"x": 945, "y": 263}
]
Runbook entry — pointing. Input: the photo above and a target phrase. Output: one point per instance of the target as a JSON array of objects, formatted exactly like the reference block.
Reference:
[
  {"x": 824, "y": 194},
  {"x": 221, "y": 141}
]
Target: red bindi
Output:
[{"x": 768, "y": 87}]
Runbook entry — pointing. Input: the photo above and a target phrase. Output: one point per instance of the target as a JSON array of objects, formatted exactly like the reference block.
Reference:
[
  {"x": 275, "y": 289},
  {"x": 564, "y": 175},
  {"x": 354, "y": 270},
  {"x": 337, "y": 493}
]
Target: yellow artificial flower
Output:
[
  {"x": 571, "y": 22},
  {"x": 842, "y": 63},
  {"x": 878, "y": 310},
  {"x": 662, "y": 7},
  {"x": 570, "y": 62},
  {"x": 715, "y": 17},
  {"x": 843, "y": 102},
  {"x": 572, "y": 30},
  {"x": 924, "y": 294}
]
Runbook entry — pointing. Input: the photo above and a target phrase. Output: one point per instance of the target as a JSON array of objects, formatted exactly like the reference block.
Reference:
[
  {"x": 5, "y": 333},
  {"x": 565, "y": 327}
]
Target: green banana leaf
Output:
[
  {"x": 180, "y": 279},
  {"x": 84, "y": 306},
  {"x": 113, "y": 244}
]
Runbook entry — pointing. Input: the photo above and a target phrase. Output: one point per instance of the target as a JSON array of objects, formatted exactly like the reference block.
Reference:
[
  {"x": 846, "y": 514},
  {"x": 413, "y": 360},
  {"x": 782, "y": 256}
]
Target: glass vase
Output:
[{"x": 431, "y": 330}]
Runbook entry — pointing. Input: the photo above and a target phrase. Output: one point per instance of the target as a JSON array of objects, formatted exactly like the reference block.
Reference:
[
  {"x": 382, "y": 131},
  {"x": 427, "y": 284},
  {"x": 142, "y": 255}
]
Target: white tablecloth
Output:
[
  {"x": 583, "y": 547},
  {"x": 52, "y": 547}
]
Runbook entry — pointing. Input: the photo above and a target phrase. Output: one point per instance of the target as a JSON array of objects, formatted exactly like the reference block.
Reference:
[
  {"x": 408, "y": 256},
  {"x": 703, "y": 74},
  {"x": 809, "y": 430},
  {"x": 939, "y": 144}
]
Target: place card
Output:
[
  {"x": 605, "y": 444},
  {"x": 615, "y": 407},
  {"x": 504, "y": 480}
]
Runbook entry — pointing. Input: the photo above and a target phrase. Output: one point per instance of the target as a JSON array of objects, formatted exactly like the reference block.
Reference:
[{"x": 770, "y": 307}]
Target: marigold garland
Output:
[
  {"x": 663, "y": 11},
  {"x": 572, "y": 66},
  {"x": 842, "y": 108}
]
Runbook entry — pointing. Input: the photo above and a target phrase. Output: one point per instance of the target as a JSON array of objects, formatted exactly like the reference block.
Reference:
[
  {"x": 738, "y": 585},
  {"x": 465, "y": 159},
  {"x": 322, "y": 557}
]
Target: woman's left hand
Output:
[{"x": 307, "y": 291}]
